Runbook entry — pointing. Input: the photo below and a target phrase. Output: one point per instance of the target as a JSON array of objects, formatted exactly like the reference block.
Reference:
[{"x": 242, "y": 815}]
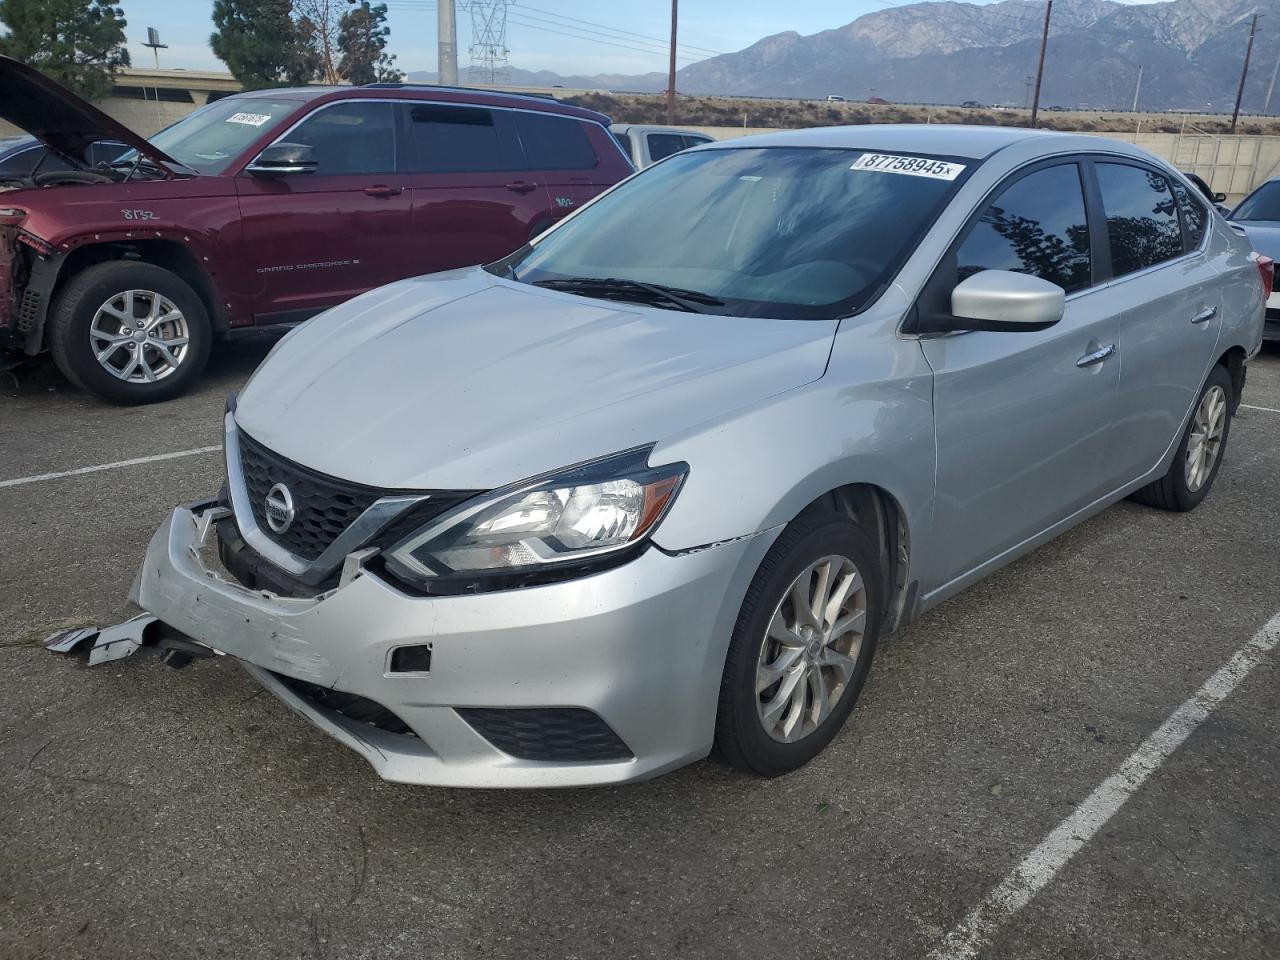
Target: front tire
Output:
[
  {"x": 130, "y": 332},
  {"x": 801, "y": 648},
  {"x": 1204, "y": 441}
]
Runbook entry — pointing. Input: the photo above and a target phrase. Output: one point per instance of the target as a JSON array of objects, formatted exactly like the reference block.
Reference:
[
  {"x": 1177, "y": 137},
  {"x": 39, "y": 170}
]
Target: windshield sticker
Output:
[
  {"x": 249, "y": 119},
  {"x": 911, "y": 166}
]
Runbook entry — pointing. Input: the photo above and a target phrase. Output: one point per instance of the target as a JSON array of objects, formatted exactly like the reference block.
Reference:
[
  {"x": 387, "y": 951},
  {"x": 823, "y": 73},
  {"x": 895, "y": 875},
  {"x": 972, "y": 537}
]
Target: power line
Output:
[
  {"x": 625, "y": 39},
  {"x": 592, "y": 23}
]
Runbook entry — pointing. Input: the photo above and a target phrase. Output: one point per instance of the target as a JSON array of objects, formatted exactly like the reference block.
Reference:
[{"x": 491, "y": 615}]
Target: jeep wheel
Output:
[{"x": 130, "y": 332}]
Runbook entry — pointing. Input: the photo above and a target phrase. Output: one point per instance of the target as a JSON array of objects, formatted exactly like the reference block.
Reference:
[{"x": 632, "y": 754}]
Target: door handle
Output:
[
  {"x": 521, "y": 186},
  {"x": 1208, "y": 313},
  {"x": 1096, "y": 356},
  {"x": 382, "y": 190}
]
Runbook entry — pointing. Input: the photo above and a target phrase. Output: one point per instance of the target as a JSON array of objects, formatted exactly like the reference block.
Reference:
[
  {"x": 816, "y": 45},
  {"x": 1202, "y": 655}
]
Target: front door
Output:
[
  {"x": 1167, "y": 289},
  {"x": 315, "y": 240},
  {"x": 1023, "y": 420}
]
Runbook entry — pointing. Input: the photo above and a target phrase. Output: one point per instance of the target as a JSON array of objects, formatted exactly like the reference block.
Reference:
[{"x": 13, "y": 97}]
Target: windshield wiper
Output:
[{"x": 690, "y": 300}]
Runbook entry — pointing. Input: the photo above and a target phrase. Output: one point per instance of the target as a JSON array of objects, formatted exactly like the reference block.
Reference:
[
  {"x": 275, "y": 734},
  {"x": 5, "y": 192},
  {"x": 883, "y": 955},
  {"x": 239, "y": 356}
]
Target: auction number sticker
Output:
[
  {"x": 249, "y": 119},
  {"x": 911, "y": 166}
]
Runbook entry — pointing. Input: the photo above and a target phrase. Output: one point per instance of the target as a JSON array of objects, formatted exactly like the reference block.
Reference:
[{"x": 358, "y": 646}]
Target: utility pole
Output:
[
  {"x": 1044, "y": 42},
  {"x": 671, "y": 66},
  {"x": 1248, "y": 51},
  {"x": 1266, "y": 107},
  {"x": 1137, "y": 88},
  {"x": 447, "y": 43}
]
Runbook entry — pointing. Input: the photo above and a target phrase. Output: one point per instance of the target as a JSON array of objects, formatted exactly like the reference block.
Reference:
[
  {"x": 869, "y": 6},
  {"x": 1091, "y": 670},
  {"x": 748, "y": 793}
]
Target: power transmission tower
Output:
[
  {"x": 1248, "y": 52},
  {"x": 489, "y": 41},
  {"x": 447, "y": 44},
  {"x": 1044, "y": 42}
]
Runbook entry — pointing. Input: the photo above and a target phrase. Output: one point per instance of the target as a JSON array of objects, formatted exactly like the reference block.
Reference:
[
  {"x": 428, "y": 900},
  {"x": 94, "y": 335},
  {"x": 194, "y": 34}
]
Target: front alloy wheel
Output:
[
  {"x": 802, "y": 645},
  {"x": 139, "y": 336},
  {"x": 130, "y": 332},
  {"x": 811, "y": 648}
]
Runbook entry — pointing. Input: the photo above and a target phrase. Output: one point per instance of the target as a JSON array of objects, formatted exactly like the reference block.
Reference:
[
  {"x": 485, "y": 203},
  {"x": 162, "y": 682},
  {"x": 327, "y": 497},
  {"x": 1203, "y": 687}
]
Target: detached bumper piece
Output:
[{"x": 106, "y": 644}]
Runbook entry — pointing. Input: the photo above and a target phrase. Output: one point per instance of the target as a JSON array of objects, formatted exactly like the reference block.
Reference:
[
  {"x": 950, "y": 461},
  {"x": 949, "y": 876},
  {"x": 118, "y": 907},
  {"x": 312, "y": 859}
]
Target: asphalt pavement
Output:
[{"x": 153, "y": 813}]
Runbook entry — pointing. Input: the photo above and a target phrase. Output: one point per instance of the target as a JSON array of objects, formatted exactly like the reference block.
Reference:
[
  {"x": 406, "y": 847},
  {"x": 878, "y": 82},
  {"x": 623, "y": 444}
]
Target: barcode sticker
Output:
[
  {"x": 249, "y": 119},
  {"x": 911, "y": 166}
]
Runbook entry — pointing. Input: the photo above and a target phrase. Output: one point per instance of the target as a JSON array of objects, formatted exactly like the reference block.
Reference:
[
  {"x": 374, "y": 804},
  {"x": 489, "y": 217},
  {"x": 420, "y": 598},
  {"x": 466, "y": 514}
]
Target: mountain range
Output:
[{"x": 1190, "y": 52}]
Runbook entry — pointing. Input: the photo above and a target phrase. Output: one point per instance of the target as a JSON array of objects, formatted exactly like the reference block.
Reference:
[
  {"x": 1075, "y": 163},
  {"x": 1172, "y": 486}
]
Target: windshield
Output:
[
  {"x": 783, "y": 232},
  {"x": 1262, "y": 204},
  {"x": 211, "y": 137}
]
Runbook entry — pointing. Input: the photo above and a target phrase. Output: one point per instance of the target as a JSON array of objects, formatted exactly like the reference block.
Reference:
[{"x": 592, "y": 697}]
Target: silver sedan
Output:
[{"x": 658, "y": 483}]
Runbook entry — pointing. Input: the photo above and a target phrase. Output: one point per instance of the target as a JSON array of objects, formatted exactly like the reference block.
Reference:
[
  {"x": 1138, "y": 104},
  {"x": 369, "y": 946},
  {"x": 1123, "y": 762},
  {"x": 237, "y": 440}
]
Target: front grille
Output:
[
  {"x": 349, "y": 705},
  {"x": 325, "y": 506},
  {"x": 557, "y": 734}
]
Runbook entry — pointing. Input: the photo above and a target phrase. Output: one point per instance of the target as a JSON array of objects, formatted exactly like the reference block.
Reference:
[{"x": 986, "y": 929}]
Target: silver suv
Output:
[{"x": 662, "y": 479}]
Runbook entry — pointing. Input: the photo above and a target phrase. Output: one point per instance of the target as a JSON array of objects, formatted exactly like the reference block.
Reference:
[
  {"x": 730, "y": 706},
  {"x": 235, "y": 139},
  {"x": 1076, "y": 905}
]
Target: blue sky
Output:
[
  {"x": 535, "y": 32},
  {"x": 532, "y": 37}
]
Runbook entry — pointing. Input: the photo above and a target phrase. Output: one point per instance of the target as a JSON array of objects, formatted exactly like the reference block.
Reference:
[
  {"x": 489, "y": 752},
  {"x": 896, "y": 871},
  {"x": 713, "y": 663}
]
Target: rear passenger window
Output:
[
  {"x": 663, "y": 145},
  {"x": 350, "y": 138},
  {"x": 455, "y": 140},
  {"x": 1037, "y": 225},
  {"x": 1142, "y": 217},
  {"x": 554, "y": 143},
  {"x": 1195, "y": 218}
]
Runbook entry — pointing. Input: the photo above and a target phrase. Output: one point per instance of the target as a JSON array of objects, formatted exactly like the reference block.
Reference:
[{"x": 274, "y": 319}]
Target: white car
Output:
[{"x": 647, "y": 145}]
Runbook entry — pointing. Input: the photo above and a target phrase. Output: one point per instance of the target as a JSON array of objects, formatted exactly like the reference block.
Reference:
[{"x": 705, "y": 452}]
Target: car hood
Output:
[
  {"x": 463, "y": 380},
  {"x": 1264, "y": 235},
  {"x": 58, "y": 118}
]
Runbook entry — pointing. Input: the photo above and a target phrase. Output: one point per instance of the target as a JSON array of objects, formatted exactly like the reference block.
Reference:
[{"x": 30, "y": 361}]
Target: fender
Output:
[{"x": 87, "y": 224}]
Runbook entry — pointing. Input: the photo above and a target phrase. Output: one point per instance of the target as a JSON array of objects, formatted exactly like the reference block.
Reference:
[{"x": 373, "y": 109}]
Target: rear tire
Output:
[
  {"x": 129, "y": 332},
  {"x": 823, "y": 659},
  {"x": 1204, "y": 442}
]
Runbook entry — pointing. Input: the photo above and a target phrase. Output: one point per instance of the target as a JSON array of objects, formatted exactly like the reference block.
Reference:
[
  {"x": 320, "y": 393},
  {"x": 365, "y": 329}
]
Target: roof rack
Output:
[{"x": 385, "y": 85}]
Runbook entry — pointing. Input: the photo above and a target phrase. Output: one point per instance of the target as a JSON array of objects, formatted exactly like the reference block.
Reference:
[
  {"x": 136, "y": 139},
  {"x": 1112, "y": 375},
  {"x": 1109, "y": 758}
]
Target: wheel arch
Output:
[
  {"x": 1234, "y": 359},
  {"x": 880, "y": 513},
  {"x": 168, "y": 254}
]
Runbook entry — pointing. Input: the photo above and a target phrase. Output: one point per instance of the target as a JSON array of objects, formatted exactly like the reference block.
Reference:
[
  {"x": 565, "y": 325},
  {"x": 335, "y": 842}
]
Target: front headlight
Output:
[{"x": 598, "y": 510}]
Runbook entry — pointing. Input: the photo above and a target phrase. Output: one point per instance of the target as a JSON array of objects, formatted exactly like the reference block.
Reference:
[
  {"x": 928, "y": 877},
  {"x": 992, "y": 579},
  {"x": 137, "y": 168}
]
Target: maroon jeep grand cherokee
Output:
[{"x": 265, "y": 208}]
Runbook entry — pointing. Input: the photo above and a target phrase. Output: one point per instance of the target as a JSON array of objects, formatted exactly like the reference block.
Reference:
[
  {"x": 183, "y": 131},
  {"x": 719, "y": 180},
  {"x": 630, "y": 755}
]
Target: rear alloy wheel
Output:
[
  {"x": 129, "y": 332},
  {"x": 1200, "y": 452},
  {"x": 801, "y": 648}
]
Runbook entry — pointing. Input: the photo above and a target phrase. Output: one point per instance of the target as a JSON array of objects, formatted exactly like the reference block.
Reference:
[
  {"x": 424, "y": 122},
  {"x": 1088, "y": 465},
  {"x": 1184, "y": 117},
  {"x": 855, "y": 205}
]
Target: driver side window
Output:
[
  {"x": 1036, "y": 225},
  {"x": 350, "y": 138}
]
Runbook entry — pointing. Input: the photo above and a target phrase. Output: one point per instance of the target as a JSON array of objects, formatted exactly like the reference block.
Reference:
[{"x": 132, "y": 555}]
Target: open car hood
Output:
[{"x": 58, "y": 118}]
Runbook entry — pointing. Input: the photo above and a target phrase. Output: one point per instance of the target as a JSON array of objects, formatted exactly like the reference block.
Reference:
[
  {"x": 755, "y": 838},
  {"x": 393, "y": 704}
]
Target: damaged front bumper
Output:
[{"x": 639, "y": 648}]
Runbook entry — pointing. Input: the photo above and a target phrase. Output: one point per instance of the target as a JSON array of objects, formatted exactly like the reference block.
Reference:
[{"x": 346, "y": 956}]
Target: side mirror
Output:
[
  {"x": 1002, "y": 300},
  {"x": 1219, "y": 198},
  {"x": 283, "y": 160}
]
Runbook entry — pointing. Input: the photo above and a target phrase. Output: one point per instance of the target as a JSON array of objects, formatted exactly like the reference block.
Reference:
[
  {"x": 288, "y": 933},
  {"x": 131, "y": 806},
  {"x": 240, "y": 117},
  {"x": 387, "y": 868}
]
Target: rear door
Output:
[
  {"x": 1167, "y": 289},
  {"x": 1023, "y": 420},
  {"x": 562, "y": 152},
  {"x": 474, "y": 198},
  {"x": 318, "y": 239}
]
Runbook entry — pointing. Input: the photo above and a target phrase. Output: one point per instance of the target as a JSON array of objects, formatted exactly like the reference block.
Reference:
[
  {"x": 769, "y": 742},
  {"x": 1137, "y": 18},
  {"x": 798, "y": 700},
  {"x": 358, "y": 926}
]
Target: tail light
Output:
[
  {"x": 1266, "y": 270},
  {"x": 12, "y": 216}
]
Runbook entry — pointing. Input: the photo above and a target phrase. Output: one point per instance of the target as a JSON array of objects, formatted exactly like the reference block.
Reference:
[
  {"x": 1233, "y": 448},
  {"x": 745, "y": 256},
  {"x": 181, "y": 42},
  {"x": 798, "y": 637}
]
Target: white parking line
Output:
[
  {"x": 1250, "y": 406},
  {"x": 1044, "y": 862},
  {"x": 19, "y": 481}
]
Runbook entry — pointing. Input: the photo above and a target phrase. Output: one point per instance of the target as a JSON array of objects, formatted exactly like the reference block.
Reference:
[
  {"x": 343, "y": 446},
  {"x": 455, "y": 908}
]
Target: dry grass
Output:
[{"x": 733, "y": 112}]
